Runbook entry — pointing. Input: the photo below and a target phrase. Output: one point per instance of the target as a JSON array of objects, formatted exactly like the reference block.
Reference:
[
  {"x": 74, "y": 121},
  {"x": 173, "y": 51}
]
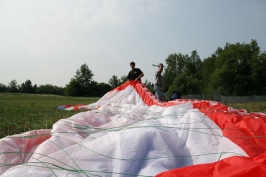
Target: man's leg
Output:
[{"x": 157, "y": 90}]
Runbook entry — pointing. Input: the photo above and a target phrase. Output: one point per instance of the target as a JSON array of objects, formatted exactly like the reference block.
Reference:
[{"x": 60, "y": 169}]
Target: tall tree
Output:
[
  {"x": 123, "y": 79},
  {"x": 149, "y": 85},
  {"x": 186, "y": 84},
  {"x": 175, "y": 66},
  {"x": 82, "y": 84},
  {"x": 84, "y": 75},
  {"x": 208, "y": 67},
  {"x": 50, "y": 89},
  {"x": 103, "y": 88},
  {"x": 193, "y": 64},
  {"x": 13, "y": 86},
  {"x": 114, "y": 81},
  {"x": 73, "y": 88},
  {"x": 237, "y": 69},
  {"x": 3, "y": 88},
  {"x": 258, "y": 67},
  {"x": 183, "y": 73},
  {"x": 27, "y": 87}
]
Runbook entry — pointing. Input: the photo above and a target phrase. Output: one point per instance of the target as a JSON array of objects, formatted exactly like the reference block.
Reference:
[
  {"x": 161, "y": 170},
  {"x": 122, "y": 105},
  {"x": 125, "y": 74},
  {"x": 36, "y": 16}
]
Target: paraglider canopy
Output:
[{"x": 128, "y": 132}]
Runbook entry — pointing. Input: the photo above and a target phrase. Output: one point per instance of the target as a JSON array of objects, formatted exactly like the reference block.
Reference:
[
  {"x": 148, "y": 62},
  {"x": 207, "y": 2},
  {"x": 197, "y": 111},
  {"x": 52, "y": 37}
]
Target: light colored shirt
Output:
[{"x": 158, "y": 79}]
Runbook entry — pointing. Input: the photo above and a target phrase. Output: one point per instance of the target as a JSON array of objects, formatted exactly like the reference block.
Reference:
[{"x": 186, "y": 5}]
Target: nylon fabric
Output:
[{"x": 130, "y": 133}]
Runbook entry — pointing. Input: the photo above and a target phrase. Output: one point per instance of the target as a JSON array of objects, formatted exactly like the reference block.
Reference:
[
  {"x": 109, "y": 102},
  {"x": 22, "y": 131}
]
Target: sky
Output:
[{"x": 46, "y": 41}]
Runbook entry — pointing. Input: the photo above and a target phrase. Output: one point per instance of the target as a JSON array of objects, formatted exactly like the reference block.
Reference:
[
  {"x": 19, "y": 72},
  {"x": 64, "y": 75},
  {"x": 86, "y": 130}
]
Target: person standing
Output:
[
  {"x": 163, "y": 96},
  {"x": 158, "y": 82},
  {"x": 135, "y": 73}
]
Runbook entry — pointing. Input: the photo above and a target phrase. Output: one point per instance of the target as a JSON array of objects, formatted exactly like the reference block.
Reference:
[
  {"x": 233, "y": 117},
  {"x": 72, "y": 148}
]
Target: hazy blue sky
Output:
[{"x": 46, "y": 41}]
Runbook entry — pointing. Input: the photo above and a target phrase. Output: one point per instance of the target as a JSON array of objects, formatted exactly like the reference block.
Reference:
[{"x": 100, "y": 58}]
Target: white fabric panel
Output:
[
  {"x": 128, "y": 139},
  {"x": 124, "y": 137}
]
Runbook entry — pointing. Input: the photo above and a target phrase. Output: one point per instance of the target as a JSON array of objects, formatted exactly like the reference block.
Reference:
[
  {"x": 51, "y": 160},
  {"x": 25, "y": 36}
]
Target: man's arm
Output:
[
  {"x": 139, "y": 77},
  {"x": 160, "y": 70}
]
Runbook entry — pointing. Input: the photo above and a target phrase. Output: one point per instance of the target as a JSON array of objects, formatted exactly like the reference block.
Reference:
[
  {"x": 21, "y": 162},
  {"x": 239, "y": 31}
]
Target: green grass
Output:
[
  {"x": 250, "y": 106},
  {"x": 24, "y": 112}
]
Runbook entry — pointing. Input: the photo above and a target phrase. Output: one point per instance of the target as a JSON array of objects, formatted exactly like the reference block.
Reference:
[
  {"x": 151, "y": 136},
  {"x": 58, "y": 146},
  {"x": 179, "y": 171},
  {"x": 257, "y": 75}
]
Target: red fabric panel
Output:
[
  {"x": 77, "y": 107},
  {"x": 125, "y": 85},
  {"x": 205, "y": 170},
  {"x": 229, "y": 167},
  {"x": 232, "y": 132},
  {"x": 260, "y": 158},
  {"x": 247, "y": 130},
  {"x": 255, "y": 129}
]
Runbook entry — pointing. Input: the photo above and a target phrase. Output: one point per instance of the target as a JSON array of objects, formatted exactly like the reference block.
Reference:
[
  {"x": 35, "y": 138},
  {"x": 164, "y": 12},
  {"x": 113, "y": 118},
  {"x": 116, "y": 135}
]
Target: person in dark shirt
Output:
[{"x": 135, "y": 73}]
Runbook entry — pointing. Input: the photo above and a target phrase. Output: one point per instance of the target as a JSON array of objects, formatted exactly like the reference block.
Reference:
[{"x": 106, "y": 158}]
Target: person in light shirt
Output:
[{"x": 158, "y": 84}]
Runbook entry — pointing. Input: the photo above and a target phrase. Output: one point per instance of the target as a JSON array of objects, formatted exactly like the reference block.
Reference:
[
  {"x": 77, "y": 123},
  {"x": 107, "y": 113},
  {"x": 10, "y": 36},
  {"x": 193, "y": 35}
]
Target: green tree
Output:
[
  {"x": 193, "y": 65},
  {"x": 84, "y": 75},
  {"x": 175, "y": 66},
  {"x": 208, "y": 67},
  {"x": 114, "y": 81},
  {"x": 258, "y": 67},
  {"x": 186, "y": 84},
  {"x": 149, "y": 85},
  {"x": 50, "y": 89},
  {"x": 13, "y": 87},
  {"x": 92, "y": 89},
  {"x": 123, "y": 79},
  {"x": 103, "y": 88},
  {"x": 82, "y": 84},
  {"x": 73, "y": 88},
  {"x": 183, "y": 73},
  {"x": 237, "y": 69},
  {"x": 3, "y": 88},
  {"x": 27, "y": 87}
]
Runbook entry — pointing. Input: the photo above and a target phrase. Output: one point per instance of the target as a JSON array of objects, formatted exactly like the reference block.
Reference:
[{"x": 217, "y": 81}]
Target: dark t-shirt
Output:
[{"x": 133, "y": 74}]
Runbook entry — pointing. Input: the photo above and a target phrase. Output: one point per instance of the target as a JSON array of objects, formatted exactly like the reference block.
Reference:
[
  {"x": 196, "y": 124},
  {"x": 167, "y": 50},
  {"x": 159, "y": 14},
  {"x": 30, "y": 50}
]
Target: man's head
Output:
[
  {"x": 132, "y": 64},
  {"x": 160, "y": 64}
]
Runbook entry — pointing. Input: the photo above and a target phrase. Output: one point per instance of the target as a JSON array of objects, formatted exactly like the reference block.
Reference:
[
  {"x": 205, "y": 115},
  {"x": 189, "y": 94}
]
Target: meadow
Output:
[{"x": 24, "y": 112}]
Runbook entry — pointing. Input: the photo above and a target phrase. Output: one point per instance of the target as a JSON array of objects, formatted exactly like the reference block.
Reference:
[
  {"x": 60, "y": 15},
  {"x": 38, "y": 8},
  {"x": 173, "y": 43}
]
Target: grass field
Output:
[
  {"x": 250, "y": 107},
  {"x": 24, "y": 112}
]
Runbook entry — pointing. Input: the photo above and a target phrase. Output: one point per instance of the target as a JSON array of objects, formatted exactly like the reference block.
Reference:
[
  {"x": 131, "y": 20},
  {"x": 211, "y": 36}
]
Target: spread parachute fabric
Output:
[{"x": 128, "y": 132}]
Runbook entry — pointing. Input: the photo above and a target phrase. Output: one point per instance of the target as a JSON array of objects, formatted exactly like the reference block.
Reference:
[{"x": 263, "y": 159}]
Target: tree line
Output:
[
  {"x": 236, "y": 69},
  {"x": 81, "y": 85}
]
